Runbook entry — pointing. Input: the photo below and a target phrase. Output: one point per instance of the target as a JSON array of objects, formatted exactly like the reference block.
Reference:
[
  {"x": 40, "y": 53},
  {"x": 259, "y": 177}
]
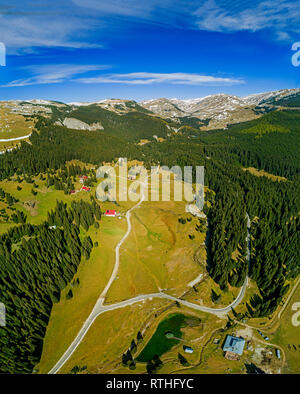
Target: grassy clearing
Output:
[
  {"x": 158, "y": 254},
  {"x": 211, "y": 358},
  {"x": 287, "y": 336},
  {"x": 251, "y": 290},
  {"x": 202, "y": 294},
  {"x": 256, "y": 172},
  {"x": 13, "y": 125},
  {"x": 37, "y": 207},
  {"x": 68, "y": 316}
]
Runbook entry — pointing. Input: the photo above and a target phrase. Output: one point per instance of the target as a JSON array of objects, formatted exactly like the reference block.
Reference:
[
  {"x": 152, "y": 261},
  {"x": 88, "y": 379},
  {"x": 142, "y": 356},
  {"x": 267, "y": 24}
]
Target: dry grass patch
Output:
[
  {"x": 287, "y": 336},
  {"x": 158, "y": 254},
  {"x": 256, "y": 172}
]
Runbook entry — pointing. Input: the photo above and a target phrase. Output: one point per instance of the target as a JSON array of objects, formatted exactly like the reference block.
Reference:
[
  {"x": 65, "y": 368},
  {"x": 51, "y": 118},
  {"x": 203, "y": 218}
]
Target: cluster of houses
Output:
[
  {"x": 108, "y": 212},
  {"x": 82, "y": 178}
]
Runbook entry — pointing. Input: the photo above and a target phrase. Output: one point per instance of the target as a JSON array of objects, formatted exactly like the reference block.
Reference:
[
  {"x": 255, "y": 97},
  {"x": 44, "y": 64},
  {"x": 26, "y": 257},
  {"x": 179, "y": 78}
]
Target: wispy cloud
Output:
[
  {"x": 79, "y": 23},
  {"x": 47, "y": 24},
  {"x": 282, "y": 16},
  {"x": 145, "y": 78},
  {"x": 136, "y": 8},
  {"x": 49, "y": 74}
]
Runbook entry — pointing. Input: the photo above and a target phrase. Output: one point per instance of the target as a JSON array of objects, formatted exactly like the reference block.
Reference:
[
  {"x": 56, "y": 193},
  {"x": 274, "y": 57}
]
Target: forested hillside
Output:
[
  {"x": 36, "y": 263},
  {"x": 131, "y": 126},
  {"x": 292, "y": 100},
  {"x": 271, "y": 143},
  {"x": 54, "y": 145}
]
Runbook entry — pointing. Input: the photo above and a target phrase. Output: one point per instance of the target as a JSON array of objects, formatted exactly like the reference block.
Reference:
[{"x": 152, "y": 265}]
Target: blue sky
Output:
[{"x": 87, "y": 50}]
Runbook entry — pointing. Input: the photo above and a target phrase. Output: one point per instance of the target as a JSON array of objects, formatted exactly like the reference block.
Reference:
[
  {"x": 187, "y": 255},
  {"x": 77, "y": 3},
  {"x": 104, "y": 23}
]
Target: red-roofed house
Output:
[
  {"x": 86, "y": 189},
  {"x": 110, "y": 212}
]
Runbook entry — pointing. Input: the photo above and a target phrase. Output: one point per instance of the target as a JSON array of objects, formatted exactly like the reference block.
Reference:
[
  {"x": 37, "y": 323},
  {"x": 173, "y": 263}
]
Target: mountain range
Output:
[{"x": 210, "y": 112}]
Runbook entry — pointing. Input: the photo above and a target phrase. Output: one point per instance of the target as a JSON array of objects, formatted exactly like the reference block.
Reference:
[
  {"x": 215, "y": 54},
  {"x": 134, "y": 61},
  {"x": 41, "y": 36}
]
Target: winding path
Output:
[
  {"x": 100, "y": 308},
  {"x": 117, "y": 261},
  {"x": 15, "y": 139}
]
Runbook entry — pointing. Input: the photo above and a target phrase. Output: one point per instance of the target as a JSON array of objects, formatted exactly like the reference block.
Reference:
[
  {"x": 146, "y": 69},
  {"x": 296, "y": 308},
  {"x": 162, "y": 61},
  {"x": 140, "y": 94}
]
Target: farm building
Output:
[
  {"x": 86, "y": 189},
  {"x": 233, "y": 347},
  {"x": 188, "y": 349},
  {"x": 110, "y": 212},
  {"x": 278, "y": 353}
]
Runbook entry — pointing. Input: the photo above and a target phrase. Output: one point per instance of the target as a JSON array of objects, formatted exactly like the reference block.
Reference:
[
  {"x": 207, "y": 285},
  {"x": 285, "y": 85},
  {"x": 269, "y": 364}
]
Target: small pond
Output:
[{"x": 159, "y": 343}]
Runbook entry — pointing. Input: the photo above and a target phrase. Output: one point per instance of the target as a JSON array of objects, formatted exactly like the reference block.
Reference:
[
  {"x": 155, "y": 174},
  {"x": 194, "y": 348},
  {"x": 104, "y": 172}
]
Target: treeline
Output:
[
  {"x": 36, "y": 263},
  {"x": 81, "y": 212},
  {"x": 7, "y": 197},
  {"x": 17, "y": 216},
  {"x": 53, "y": 146}
]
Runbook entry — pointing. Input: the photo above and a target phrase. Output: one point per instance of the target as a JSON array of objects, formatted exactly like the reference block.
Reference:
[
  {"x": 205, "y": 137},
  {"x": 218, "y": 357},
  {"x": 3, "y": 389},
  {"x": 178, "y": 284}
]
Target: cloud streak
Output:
[
  {"x": 50, "y": 74},
  {"x": 282, "y": 16},
  {"x": 79, "y": 23},
  {"x": 145, "y": 78},
  {"x": 25, "y": 25}
]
